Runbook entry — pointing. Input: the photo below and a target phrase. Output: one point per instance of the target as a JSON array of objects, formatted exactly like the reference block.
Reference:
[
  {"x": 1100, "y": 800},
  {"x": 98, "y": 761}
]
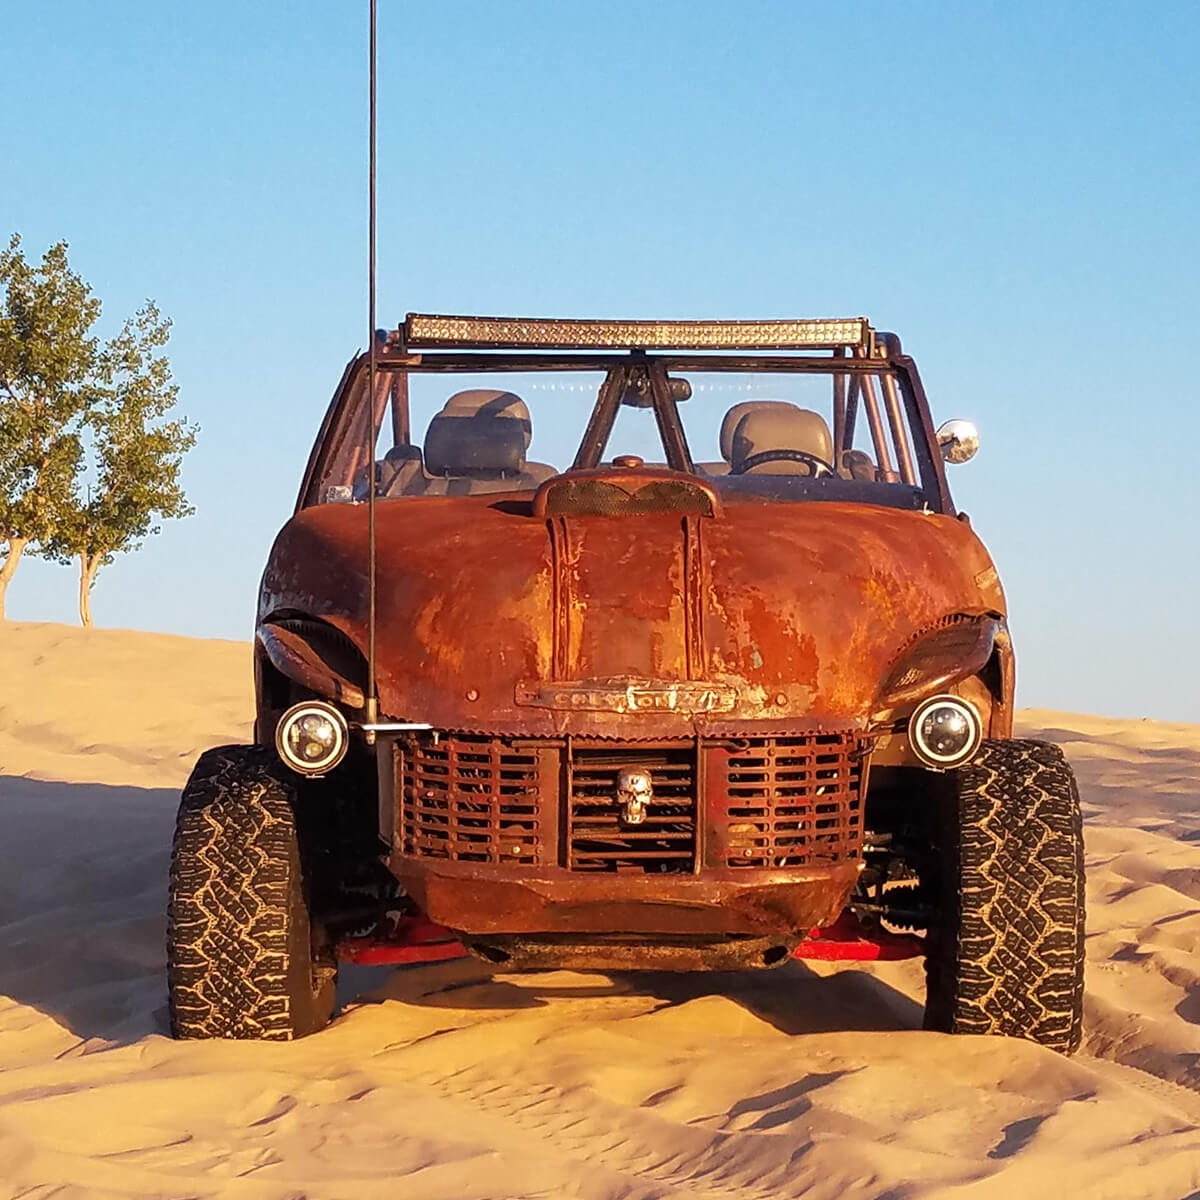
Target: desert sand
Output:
[{"x": 448, "y": 1081}]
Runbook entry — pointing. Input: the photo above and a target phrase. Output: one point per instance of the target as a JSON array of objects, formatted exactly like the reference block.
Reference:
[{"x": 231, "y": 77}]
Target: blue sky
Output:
[{"x": 1012, "y": 187}]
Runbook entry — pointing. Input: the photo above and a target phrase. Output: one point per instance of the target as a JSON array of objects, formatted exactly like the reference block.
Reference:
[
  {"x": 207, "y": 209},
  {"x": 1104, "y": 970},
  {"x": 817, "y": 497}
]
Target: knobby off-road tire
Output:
[
  {"x": 244, "y": 959},
  {"x": 1008, "y": 956}
]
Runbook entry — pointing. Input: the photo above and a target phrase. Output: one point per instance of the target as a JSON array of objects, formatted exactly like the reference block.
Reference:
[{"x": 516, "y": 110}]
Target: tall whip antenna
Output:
[{"x": 372, "y": 702}]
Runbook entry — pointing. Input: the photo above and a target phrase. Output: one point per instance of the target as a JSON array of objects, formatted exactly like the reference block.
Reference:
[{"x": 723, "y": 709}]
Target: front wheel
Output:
[
  {"x": 244, "y": 957},
  {"x": 1006, "y": 956}
]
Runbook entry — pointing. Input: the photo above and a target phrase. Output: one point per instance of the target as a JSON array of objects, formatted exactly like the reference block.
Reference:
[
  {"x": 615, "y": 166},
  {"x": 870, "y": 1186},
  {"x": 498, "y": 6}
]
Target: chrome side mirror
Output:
[{"x": 959, "y": 440}]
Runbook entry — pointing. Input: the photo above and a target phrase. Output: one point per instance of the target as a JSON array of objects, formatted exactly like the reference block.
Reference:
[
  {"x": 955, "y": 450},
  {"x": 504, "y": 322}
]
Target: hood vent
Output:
[{"x": 624, "y": 493}]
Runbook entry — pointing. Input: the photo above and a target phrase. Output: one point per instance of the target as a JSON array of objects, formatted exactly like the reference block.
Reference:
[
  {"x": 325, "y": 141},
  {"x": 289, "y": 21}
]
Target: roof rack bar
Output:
[{"x": 483, "y": 360}]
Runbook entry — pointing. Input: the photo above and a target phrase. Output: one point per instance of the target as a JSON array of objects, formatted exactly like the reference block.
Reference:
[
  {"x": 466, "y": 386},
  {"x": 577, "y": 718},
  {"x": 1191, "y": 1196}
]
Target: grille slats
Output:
[
  {"x": 470, "y": 798},
  {"x": 598, "y": 839},
  {"x": 793, "y": 801},
  {"x": 768, "y": 802}
]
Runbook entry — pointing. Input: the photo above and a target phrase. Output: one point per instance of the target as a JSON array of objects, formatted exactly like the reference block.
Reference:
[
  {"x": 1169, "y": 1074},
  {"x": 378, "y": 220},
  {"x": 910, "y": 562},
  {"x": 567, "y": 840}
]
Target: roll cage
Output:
[{"x": 643, "y": 378}]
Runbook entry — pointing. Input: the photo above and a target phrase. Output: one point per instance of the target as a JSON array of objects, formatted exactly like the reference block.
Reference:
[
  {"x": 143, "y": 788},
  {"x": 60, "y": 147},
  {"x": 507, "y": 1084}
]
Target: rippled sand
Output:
[{"x": 451, "y": 1082}]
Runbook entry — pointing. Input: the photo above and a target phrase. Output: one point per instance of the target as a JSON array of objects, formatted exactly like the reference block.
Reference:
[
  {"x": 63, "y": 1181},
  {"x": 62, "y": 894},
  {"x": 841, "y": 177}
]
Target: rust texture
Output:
[
  {"x": 798, "y": 608},
  {"x": 618, "y": 493},
  {"x": 727, "y": 819},
  {"x": 598, "y": 953},
  {"x": 491, "y": 899},
  {"x": 746, "y": 659}
]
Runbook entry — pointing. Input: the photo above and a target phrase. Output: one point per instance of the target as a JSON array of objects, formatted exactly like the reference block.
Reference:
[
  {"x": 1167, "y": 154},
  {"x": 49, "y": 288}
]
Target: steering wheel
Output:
[{"x": 819, "y": 466}]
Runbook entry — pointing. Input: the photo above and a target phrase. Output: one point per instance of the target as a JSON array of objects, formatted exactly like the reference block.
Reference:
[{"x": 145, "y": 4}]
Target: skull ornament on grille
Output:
[{"x": 635, "y": 790}]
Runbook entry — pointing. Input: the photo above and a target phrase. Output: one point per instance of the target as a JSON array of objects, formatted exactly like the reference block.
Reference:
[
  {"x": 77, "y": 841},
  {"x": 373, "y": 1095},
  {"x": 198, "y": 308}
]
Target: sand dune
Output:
[{"x": 447, "y": 1081}]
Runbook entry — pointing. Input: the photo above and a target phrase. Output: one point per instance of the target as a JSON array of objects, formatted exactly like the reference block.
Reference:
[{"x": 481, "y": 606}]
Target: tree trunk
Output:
[
  {"x": 89, "y": 564},
  {"x": 16, "y": 547}
]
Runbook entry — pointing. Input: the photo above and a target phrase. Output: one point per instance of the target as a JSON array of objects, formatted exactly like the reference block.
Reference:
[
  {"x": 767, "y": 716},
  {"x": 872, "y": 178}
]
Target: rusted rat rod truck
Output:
[{"x": 643, "y": 712}]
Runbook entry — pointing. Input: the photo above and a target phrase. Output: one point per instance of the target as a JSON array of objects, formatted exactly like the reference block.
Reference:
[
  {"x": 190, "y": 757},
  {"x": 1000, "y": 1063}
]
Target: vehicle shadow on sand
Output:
[
  {"x": 83, "y": 886},
  {"x": 83, "y": 890},
  {"x": 792, "y": 997}
]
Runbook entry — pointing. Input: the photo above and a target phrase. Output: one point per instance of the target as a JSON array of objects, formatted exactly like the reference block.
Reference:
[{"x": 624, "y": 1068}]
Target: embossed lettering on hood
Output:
[{"x": 629, "y": 696}]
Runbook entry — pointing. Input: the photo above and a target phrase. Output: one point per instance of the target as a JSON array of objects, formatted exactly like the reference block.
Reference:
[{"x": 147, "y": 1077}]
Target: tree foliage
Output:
[
  {"x": 89, "y": 454},
  {"x": 137, "y": 454},
  {"x": 47, "y": 384}
]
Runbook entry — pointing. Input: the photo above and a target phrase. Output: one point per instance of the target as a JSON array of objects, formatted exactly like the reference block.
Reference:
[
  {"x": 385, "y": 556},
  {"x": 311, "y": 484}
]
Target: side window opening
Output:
[{"x": 876, "y": 437}]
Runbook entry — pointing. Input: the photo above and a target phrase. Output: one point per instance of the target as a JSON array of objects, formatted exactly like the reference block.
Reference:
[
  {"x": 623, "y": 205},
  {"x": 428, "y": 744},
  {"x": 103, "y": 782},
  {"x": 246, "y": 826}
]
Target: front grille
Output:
[
  {"x": 470, "y": 798},
  {"x": 766, "y": 802},
  {"x": 792, "y": 801},
  {"x": 600, "y": 838}
]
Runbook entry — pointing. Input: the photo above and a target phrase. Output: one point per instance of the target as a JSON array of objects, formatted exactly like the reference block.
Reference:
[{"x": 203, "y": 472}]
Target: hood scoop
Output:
[{"x": 624, "y": 490}]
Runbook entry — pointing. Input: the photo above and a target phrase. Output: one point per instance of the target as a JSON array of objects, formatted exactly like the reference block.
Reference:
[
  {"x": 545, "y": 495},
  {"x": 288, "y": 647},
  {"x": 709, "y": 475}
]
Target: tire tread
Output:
[
  {"x": 239, "y": 960},
  {"x": 1010, "y": 958}
]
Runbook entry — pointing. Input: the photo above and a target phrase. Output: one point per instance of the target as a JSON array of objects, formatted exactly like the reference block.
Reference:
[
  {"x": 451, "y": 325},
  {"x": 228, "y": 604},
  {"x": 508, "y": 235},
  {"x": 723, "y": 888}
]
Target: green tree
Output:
[
  {"x": 48, "y": 357},
  {"x": 67, "y": 398},
  {"x": 137, "y": 454}
]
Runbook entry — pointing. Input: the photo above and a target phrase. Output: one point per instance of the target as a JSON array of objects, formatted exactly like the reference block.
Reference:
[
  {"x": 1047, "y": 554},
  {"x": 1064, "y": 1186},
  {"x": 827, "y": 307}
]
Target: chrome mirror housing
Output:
[{"x": 959, "y": 440}]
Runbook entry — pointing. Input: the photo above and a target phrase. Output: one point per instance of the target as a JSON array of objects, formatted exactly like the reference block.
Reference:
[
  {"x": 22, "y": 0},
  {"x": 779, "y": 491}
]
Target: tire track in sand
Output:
[{"x": 717, "y": 1164}]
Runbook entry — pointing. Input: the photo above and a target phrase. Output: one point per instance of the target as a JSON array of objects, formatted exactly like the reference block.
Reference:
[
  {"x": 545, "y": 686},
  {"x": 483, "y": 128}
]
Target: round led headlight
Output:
[
  {"x": 312, "y": 737},
  {"x": 944, "y": 731}
]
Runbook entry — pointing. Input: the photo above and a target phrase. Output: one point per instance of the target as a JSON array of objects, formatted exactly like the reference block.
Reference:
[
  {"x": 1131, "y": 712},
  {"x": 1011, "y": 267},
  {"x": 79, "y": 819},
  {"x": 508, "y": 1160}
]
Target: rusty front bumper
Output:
[{"x": 479, "y": 899}]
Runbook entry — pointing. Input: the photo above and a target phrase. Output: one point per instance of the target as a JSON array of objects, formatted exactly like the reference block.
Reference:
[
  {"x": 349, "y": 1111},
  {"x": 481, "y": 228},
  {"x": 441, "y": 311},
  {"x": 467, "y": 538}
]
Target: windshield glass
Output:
[{"x": 791, "y": 434}]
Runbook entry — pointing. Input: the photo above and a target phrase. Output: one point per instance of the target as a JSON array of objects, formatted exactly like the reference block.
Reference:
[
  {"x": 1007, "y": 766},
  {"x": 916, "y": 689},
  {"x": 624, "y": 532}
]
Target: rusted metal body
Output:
[
  {"x": 799, "y": 608},
  {"x": 750, "y": 658}
]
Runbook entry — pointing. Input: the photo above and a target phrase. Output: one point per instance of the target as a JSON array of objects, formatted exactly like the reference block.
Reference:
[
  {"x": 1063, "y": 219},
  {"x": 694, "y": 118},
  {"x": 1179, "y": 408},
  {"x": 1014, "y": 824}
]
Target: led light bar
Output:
[{"x": 426, "y": 332}]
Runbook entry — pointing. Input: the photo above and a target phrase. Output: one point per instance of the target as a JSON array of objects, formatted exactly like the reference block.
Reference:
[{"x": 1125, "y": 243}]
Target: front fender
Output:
[{"x": 937, "y": 658}]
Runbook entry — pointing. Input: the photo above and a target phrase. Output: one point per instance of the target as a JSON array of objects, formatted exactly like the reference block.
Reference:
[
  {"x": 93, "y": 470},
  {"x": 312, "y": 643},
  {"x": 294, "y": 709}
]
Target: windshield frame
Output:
[{"x": 908, "y": 404}]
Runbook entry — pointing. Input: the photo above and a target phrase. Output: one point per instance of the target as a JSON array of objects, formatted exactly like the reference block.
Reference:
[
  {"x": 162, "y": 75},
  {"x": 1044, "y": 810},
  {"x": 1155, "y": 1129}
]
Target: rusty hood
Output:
[{"x": 768, "y": 615}]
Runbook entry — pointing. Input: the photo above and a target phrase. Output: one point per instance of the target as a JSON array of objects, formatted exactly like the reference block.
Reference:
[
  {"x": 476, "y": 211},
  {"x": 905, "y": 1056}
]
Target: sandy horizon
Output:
[{"x": 450, "y": 1081}]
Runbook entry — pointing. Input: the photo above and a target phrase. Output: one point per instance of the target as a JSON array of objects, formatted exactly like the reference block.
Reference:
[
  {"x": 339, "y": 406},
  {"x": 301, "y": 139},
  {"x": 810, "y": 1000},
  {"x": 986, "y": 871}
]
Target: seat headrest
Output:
[
  {"x": 489, "y": 402},
  {"x": 402, "y": 454},
  {"x": 480, "y": 444},
  {"x": 736, "y": 413},
  {"x": 781, "y": 427}
]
